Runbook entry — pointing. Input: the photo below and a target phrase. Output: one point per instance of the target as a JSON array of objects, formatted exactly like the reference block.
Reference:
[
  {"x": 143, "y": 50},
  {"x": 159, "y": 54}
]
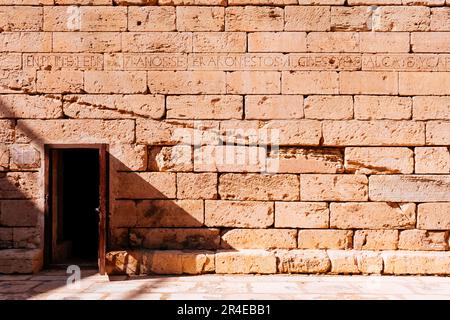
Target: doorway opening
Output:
[{"x": 76, "y": 186}]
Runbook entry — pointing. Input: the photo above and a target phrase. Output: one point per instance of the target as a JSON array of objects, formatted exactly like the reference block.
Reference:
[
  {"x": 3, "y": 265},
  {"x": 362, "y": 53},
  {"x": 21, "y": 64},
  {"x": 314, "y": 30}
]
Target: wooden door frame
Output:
[{"x": 103, "y": 204}]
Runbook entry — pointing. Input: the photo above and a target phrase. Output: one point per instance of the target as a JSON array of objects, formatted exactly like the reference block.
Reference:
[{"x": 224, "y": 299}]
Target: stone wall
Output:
[{"x": 246, "y": 136}]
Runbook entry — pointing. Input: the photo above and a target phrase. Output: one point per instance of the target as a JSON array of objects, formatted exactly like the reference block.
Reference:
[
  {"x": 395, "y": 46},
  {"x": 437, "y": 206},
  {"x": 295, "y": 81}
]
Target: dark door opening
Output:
[{"x": 75, "y": 206}]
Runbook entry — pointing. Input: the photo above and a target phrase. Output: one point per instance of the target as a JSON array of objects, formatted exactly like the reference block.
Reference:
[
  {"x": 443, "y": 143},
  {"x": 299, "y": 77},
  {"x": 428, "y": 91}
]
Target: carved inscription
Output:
[{"x": 56, "y": 61}]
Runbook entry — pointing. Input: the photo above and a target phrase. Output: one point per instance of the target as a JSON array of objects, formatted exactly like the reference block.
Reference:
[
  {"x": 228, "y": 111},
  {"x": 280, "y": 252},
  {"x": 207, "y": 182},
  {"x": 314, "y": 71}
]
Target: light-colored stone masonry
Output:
[{"x": 358, "y": 92}]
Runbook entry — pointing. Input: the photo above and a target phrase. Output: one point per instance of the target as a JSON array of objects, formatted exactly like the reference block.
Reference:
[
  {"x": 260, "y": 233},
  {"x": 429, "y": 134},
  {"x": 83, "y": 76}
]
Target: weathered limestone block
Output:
[
  {"x": 244, "y": 214},
  {"x": 417, "y": 188},
  {"x": 177, "y": 238},
  {"x": 128, "y": 157},
  {"x": 433, "y": 216},
  {"x": 26, "y": 238},
  {"x": 302, "y": 261},
  {"x": 307, "y": 18},
  {"x": 26, "y": 41},
  {"x": 6, "y": 131},
  {"x": 251, "y": 18},
  {"x": 197, "y": 186},
  {"x": 174, "y": 158},
  {"x": 21, "y": 260},
  {"x": 268, "y": 107},
  {"x": 368, "y": 82},
  {"x": 379, "y": 160},
  {"x": 4, "y": 157},
  {"x": 204, "y": 107},
  {"x": 277, "y": 42},
  {"x": 373, "y": 133},
  {"x": 86, "y": 41},
  {"x": 15, "y": 18},
  {"x": 358, "y": 18},
  {"x": 431, "y": 108},
  {"x": 6, "y": 238},
  {"x": 20, "y": 185},
  {"x": 301, "y": 215},
  {"x": 401, "y": 18},
  {"x": 21, "y": 213},
  {"x": 315, "y": 187},
  {"x": 383, "y": 107},
  {"x": 114, "y": 106},
  {"x": 246, "y": 261},
  {"x": 372, "y": 215},
  {"x": 144, "y": 185},
  {"x": 219, "y": 42},
  {"x": 115, "y": 81},
  {"x": 325, "y": 239},
  {"x": 259, "y": 239},
  {"x": 329, "y": 107},
  {"x": 312, "y": 82},
  {"x": 307, "y": 160},
  {"x": 253, "y": 82},
  {"x": 375, "y": 240},
  {"x": 416, "y": 262},
  {"x": 333, "y": 42},
  {"x": 430, "y": 42},
  {"x": 438, "y": 132},
  {"x": 200, "y": 18},
  {"x": 423, "y": 240},
  {"x": 26, "y": 106},
  {"x": 18, "y": 81},
  {"x": 375, "y": 42},
  {"x": 423, "y": 83},
  {"x": 157, "y": 42},
  {"x": 151, "y": 18},
  {"x": 432, "y": 160},
  {"x": 187, "y": 82},
  {"x": 353, "y": 261},
  {"x": 75, "y": 131},
  {"x": 259, "y": 187}
]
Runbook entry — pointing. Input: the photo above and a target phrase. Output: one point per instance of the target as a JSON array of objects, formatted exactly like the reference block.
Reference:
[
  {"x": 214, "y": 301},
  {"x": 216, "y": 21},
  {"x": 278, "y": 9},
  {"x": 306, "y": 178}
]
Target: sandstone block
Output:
[
  {"x": 431, "y": 108},
  {"x": 177, "y": 238},
  {"x": 259, "y": 187},
  {"x": 59, "y": 81},
  {"x": 17, "y": 81},
  {"x": 4, "y": 157},
  {"x": 437, "y": 132},
  {"x": 310, "y": 82},
  {"x": 433, "y": 216},
  {"x": 432, "y": 160},
  {"x": 303, "y": 261},
  {"x": 151, "y": 19},
  {"x": 424, "y": 83},
  {"x": 19, "y": 185},
  {"x": 253, "y": 82},
  {"x": 157, "y": 42},
  {"x": 358, "y": 18},
  {"x": 382, "y": 107},
  {"x": 416, "y": 262},
  {"x": 372, "y": 215},
  {"x": 245, "y": 214},
  {"x": 430, "y": 42},
  {"x": 186, "y": 82},
  {"x": 15, "y": 18},
  {"x": 440, "y": 19},
  {"x": 267, "y": 107},
  {"x": 205, "y": 107},
  {"x": 307, "y": 18},
  {"x": 401, "y": 18},
  {"x": 378, "y": 160},
  {"x": 145, "y": 185},
  {"x": 252, "y": 18},
  {"x": 423, "y": 240},
  {"x": 20, "y": 213},
  {"x": 316, "y": 187},
  {"x": 197, "y": 186},
  {"x": 333, "y": 42},
  {"x": 86, "y": 42},
  {"x": 200, "y": 18},
  {"x": 174, "y": 158},
  {"x": 365, "y": 82},
  {"x": 304, "y": 160},
  {"x": 375, "y": 240},
  {"x": 373, "y": 133},
  {"x": 329, "y": 107},
  {"x": 325, "y": 239},
  {"x": 375, "y": 42},
  {"x": 301, "y": 215},
  {"x": 277, "y": 42},
  {"x": 69, "y": 131},
  {"x": 417, "y": 188},
  {"x": 246, "y": 261},
  {"x": 219, "y": 42},
  {"x": 115, "y": 82},
  {"x": 26, "y": 41},
  {"x": 259, "y": 239},
  {"x": 348, "y": 262}
]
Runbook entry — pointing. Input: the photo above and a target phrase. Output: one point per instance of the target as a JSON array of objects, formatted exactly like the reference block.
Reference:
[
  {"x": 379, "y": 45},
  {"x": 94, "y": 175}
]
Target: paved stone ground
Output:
[{"x": 52, "y": 285}]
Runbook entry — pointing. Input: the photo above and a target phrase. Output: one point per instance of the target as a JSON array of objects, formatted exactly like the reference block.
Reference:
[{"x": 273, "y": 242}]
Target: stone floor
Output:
[{"x": 52, "y": 285}]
